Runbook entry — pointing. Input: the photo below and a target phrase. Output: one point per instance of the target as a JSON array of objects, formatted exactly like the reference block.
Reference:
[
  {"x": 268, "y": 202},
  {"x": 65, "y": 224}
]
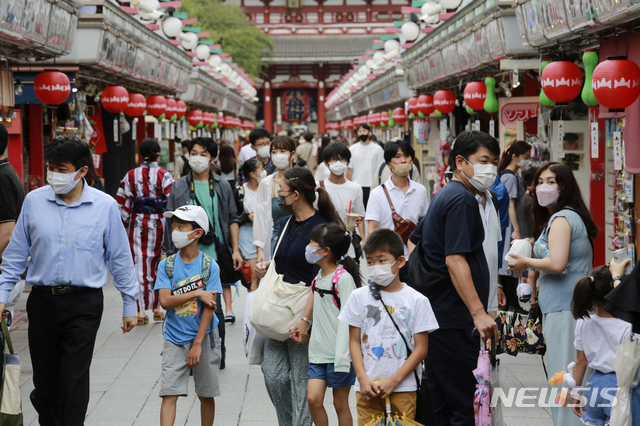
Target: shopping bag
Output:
[
  {"x": 534, "y": 340},
  {"x": 10, "y": 400},
  {"x": 507, "y": 342},
  {"x": 253, "y": 341},
  {"x": 496, "y": 380}
]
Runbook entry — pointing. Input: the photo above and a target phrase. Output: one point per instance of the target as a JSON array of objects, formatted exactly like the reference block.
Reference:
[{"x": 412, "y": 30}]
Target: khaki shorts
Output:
[
  {"x": 402, "y": 404},
  {"x": 175, "y": 373}
]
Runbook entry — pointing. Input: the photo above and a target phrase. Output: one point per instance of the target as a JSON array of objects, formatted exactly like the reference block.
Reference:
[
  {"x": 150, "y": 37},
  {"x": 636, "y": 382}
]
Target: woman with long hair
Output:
[
  {"x": 322, "y": 171},
  {"x": 564, "y": 231},
  {"x": 228, "y": 163},
  {"x": 269, "y": 216},
  {"x": 514, "y": 158},
  {"x": 286, "y": 363}
]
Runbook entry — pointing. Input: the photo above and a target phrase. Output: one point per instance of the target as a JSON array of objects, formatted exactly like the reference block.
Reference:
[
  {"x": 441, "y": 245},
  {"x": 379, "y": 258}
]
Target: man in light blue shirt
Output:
[{"x": 72, "y": 232}]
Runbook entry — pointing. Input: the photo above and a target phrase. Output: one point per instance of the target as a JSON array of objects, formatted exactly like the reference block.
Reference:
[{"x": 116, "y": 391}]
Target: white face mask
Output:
[
  {"x": 281, "y": 161},
  {"x": 181, "y": 239},
  {"x": 484, "y": 175},
  {"x": 262, "y": 175},
  {"x": 264, "y": 151},
  {"x": 523, "y": 164},
  {"x": 338, "y": 167},
  {"x": 199, "y": 164},
  {"x": 381, "y": 274},
  {"x": 62, "y": 183}
]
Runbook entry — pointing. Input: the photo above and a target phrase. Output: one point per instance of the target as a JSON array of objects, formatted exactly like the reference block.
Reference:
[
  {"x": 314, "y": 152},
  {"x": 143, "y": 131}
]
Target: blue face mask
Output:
[{"x": 311, "y": 255}]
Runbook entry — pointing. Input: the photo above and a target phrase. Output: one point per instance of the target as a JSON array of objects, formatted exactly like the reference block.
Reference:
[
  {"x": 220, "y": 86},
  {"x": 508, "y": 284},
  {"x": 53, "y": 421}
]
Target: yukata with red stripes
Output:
[{"x": 144, "y": 229}]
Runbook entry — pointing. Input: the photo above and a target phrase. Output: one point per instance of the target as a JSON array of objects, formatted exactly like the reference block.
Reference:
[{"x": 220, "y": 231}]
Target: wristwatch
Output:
[
  {"x": 308, "y": 321},
  {"x": 617, "y": 278}
]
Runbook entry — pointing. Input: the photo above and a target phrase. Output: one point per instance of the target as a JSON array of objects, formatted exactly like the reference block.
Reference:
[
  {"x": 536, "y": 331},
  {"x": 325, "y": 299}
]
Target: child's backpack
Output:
[
  {"x": 334, "y": 287},
  {"x": 206, "y": 267}
]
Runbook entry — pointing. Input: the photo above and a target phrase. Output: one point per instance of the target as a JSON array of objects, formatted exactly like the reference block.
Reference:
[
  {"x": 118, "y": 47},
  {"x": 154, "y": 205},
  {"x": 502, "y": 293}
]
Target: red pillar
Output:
[
  {"x": 36, "y": 147},
  {"x": 268, "y": 107},
  {"x": 14, "y": 149},
  {"x": 321, "y": 111},
  {"x": 597, "y": 195}
]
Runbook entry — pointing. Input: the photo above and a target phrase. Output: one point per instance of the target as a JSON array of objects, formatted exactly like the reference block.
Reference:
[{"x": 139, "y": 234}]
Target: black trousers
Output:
[
  {"x": 220, "y": 314},
  {"x": 509, "y": 287},
  {"x": 453, "y": 355},
  {"x": 62, "y": 335},
  {"x": 366, "y": 191}
]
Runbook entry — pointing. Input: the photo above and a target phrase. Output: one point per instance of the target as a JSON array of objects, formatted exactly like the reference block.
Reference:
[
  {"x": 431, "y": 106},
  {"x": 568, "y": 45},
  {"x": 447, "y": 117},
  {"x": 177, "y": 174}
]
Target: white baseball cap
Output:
[{"x": 190, "y": 213}]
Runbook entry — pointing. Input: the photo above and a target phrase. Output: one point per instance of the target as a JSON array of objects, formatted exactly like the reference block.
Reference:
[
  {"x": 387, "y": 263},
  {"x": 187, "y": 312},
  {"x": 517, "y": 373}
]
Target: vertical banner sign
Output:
[
  {"x": 172, "y": 134},
  {"x": 594, "y": 140},
  {"x": 167, "y": 131},
  {"x": 467, "y": 127},
  {"x": 443, "y": 130},
  {"x": 492, "y": 128},
  {"x": 116, "y": 131},
  {"x": 134, "y": 130},
  {"x": 476, "y": 125},
  {"x": 96, "y": 160},
  {"x": 560, "y": 135},
  {"x": 617, "y": 150}
]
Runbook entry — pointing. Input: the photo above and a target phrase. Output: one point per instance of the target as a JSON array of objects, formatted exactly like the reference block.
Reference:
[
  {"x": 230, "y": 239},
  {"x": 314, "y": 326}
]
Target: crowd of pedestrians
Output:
[{"x": 304, "y": 211}]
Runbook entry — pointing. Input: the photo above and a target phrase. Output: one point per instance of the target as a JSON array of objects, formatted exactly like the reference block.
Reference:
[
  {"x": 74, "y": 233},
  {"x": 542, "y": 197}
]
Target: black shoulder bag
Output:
[
  {"x": 425, "y": 413},
  {"x": 225, "y": 261}
]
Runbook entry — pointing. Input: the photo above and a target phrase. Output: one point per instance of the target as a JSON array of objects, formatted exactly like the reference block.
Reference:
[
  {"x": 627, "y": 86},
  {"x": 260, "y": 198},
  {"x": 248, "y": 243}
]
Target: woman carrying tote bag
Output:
[{"x": 286, "y": 363}]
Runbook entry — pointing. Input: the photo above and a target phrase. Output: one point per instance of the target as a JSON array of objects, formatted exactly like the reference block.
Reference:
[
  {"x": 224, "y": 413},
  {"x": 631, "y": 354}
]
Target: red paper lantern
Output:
[
  {"x": 444, "y": 101},
  {"x": 172, "y": 108},
  {"x": 115, "y": 99},
  {"x": 349, "y": 124},
  {"x": 181, "y": 109},
  {"x": 371, "y": 120},
  {"x": 194, "y": 117},
  {"x": 399, "y": 116},
  {"x": 248, "y": 125},
  {"x": 52, "y": 87},
  {"x": 413, "y": 105},
  {"x": 561, "y": 81},
  {"x": 206, "y": 119},
  {"x": 474, "y": 95},
  {"x": 425, "y": 105},
  {"x": 342, "y": 124},
  {"x": 156, "y": 105},
  {"x": 136, "y": 105},
  {"x": 221, "y": 121},
  {"x": 377, "y": 119},
  {"x": 384, "y": 118},
  {"x": 616, "y": 83}
]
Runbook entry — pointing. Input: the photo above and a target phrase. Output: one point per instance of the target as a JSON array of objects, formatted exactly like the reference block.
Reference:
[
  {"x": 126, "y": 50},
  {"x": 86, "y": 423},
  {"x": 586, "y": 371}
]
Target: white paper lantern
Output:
[
  {"x": 450, "y": 4},
  {"x": 172, "y": 26},
  {"x": 391, "y": 46},
  {"x": 225, "y": 70},
  {"x": 364, "y": 70},
  {"x": 371, "y": 65},
  {"x": 189, "y": 41},
  {"x": 203, "y": 52},
  {"x": 378, "y": 58},
  {"x": 215, "y": 61},
  {"x": 431, "y": 8},
  {"x": 410, "y": 31}
]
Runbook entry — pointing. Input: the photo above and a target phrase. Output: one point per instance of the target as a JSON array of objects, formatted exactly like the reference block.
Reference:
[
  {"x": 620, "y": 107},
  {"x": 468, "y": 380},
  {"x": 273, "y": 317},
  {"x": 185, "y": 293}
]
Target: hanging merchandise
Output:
[
  {"x": 544, "y": 100},
  {"x": 425, "y": 106},
  {"x": 616, "y": 84},
  {"x": 156, "y": 105},
  {"x": 492, "y": 128},
  {"x": 475, "y": 93},
  {"x": 52, "y": 87},
  {"x": 171, "y": 112},
  {"x": 115, "y": 99},
  {"x": 617, "y": 150},
  {"x": 590, "y": 61},
  {"x": 444, "y": 101},
  {"x": 561, "y": 81},
  {"x": 136, "y": 105},
  {"x": 412, "y": 106}
]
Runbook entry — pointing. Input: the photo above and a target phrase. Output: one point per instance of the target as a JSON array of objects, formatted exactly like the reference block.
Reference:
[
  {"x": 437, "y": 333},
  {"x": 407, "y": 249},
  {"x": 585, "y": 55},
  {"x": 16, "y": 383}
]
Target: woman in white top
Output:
[
  {"x": 268, "y": 215},
  {"x": 253, "y": 171}
]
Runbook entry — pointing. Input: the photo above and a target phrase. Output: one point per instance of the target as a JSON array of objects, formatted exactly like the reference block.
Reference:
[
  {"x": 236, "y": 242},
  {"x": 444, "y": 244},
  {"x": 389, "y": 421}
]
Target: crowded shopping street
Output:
[{"x": 319, "y": 212}]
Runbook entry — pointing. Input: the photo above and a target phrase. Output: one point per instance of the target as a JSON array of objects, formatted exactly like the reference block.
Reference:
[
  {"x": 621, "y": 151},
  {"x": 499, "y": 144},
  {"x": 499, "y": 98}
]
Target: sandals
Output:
[
  {"x": 230, "y": 317},
  {"x": 143, "y": 320},
  {"x": 158, "y": 317}
]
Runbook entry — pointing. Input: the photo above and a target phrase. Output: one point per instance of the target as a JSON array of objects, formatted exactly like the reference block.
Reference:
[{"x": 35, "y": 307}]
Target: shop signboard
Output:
[
  {"x": 554, "y": 19},
  {"x": 578, "y": 14},
  {"x": 495, "y": 39},
  {"x": 533, "y": 21},
  {"x": 607, "y": 10}
]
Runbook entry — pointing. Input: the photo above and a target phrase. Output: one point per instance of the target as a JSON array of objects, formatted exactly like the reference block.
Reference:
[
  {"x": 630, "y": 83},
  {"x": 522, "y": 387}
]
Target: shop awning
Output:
[
  {"x": 41, "y": 27},
  {"x": 115, "y": 48}
]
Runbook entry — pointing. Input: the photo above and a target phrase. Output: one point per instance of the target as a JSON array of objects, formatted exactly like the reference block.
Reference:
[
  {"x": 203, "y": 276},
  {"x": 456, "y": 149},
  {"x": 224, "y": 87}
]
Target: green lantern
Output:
[
  {"x": 590, "y": 61},
  {"x": 491, "y": 101},
  {"x": 383, "y": 125},
  {"x": 391, "y": 122},
  {"x": 543, "y": 98},
  {"x": 470, "y": 111},
  {"x": 421, "y": 115},
  {"x": 439, "y": 114}
]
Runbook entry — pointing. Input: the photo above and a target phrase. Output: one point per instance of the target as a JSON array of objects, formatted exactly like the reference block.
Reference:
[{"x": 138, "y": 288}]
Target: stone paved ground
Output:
[{"x": 126, "y": 370}]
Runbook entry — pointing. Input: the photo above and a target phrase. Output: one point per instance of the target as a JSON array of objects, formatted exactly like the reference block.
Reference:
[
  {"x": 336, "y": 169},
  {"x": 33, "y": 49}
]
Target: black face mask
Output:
[
  {"x": 363, "y": 138},
  {"x": 282, "y": 203}
]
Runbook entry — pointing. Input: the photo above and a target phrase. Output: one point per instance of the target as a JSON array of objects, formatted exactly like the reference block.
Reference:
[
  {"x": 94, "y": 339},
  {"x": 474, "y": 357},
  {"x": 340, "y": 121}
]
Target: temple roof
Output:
[{"x": 313, "y": 49}]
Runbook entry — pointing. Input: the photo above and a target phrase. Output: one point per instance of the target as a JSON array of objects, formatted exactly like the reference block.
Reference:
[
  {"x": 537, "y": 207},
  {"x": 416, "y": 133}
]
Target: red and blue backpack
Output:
[{"x": 334, "y": 287}]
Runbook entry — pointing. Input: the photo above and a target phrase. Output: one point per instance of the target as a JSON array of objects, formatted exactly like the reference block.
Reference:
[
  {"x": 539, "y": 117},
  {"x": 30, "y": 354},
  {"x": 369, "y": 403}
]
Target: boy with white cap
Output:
[{"x": 187, "y": 284}]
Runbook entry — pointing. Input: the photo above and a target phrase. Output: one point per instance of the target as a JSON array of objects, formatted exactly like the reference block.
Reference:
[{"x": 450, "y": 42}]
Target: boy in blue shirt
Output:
[{"x": 187, "y": 284}]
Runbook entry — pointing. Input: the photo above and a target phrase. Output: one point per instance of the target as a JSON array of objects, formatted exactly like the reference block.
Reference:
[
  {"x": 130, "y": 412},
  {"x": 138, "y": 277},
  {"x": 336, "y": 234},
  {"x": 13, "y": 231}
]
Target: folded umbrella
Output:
[{"x": 481, "y": 398}]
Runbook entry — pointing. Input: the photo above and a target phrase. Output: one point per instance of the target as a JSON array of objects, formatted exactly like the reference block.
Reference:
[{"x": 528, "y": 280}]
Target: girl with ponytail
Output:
[
  {"x": 597, "y": 336},
  {"x": 329, "y": 359}
]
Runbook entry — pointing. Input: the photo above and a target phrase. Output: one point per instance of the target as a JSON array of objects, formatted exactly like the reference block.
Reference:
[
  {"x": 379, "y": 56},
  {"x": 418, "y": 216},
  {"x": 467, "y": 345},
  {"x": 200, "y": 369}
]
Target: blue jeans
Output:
[{"x": 598, "y": 409}]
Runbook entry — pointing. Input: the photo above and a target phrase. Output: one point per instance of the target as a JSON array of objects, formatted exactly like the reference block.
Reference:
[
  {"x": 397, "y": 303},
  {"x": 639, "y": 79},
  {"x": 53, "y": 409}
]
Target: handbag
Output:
[
  {"x": 278, "y": 305},
  {"x": 253, "y": 341},
  {"x": 507, "y": 343},
  {"x": 10, "y": 399},
  {"x": 421, "y": 280},
  {"x": 402, "y": 227},
  {"x": 533, "y": 341}
]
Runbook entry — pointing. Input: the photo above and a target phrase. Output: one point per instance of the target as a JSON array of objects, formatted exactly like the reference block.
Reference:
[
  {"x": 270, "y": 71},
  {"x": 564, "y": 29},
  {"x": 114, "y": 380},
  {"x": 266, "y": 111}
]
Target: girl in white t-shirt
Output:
[
  {"x": 253, "y": 172},
  {"x": 597, "y": 336}
]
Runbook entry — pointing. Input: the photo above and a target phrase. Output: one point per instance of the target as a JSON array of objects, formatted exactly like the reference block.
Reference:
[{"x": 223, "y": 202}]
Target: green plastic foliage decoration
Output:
[
  {"x": 439, "y": 114},
  {"x": 543, "y": 98},
  {"x": 590, "y": 61},
  {"x": 470, "y": 111},
  {"x": 391, "y": 122},
  {"x": 491, "y": 101}
]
